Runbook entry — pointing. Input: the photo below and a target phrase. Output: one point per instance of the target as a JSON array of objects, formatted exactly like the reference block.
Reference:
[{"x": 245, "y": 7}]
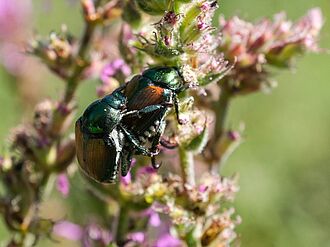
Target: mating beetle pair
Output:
[{"x": 121, "y": 124}]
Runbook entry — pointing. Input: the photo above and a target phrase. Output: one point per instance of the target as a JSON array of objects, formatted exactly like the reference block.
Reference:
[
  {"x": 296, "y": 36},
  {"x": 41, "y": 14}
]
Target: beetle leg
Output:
[
  {"x": 168, "y": 144},
  {"x": 176, "y": 107},
  {"x": 126, "y": 162},
  {"x": 115, "y": 139},
  {"x": 154, "y": 164},
  {"x": 147, "y": 109},
  {"x": 155, "y": 142},
  {"x": 144, "y": 151}
]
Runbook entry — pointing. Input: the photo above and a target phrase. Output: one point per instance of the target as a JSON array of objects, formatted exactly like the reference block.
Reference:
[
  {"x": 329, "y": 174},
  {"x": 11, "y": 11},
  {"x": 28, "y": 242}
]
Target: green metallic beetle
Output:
[
  {"x": 156, "y": 86},
  {"x": 100, "y": 137},
  {"x": 119, "y": 125}
]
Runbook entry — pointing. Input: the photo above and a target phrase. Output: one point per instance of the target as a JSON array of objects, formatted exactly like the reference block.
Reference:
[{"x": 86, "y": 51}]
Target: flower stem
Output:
[
  {"x": 221, "y": 110},
  {"x": 122, "y": 225},
  {"x": 81, "y": 62},
  {"x": 187, "y": 166}
]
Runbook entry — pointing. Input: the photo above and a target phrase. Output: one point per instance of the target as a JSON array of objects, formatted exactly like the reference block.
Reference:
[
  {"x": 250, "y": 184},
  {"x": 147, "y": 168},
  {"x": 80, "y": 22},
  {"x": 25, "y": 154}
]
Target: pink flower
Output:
[
  {"x": 154, "y": 219},
  {"x": 89, "y": 235},
  {"x": 114, "y": 67},
  {"x": 126, "y": 180},
  {"x": 94, "y": 235},
  {"x": 68, "y": 230},
  {"x": 14, "y": 17},
  {"x": 234, "y": 135},
  {"x": 167, "y": 240},
  {"x": 63, "y": 184},
  {"x": 137, "y": 237},
  {"x": 145, "y": 170},
  {"x": 110, "y": 72}
]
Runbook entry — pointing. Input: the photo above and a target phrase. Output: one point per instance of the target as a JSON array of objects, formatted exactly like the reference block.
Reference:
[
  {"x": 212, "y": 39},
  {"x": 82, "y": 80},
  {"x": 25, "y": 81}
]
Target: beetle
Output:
[
  {"x": 156, "y": 86},
  {"x": 119, "y": 125},
  {"x": 100, "y": 137}
]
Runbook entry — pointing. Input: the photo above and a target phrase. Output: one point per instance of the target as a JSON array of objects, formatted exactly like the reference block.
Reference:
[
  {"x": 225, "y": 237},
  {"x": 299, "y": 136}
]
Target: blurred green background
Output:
[{"x": 284, "y": 163}]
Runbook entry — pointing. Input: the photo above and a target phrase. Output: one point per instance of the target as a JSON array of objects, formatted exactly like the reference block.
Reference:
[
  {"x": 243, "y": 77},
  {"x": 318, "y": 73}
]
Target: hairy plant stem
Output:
[{"x": 187, "y": 166}]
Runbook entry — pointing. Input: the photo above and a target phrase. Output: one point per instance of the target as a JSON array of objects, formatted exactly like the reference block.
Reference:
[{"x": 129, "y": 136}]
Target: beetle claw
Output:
[{"x": 154, "y": 164}]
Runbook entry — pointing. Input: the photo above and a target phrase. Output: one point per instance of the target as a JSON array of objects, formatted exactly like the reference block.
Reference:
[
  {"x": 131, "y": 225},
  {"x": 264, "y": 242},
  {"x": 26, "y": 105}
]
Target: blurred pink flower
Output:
[
  {"x": 68, "y": 230},
  {"x": 154, "y": 219},
  {"x": 117, "y": 69},
  {"x": 94, "y": 234},
  {"x": 250, "y": 42},
  {"x": 89, "y": 235},
  {"x": 12, "y": 57},
  {"x": 167, "y": 240},
  {"x": 138, "y": 237},
  {"x": 234, "y": 135},
  {"x": 114, "y": 67},
  {"x": 63, "y": 184},
  {"x": 145, "y": 170},
  {"x": 277, "y": 42},
  {"x": 126, "y": 180},
  {"x": 14, "y": 17}
]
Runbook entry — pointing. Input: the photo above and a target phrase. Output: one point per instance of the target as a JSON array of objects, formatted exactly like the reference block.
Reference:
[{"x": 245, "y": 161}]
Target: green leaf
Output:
[{"x": 198, "y": 143}]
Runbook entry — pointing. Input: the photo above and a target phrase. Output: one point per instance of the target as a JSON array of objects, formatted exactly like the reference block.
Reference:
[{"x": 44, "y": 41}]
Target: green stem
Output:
[
  {"x": 221, "y": 110},
  {"x": 122, "y": 225},
  {"x": 81, "y": 60},
  {"x": 187, "y": 166},
  {"x": 81, "y": 63}
]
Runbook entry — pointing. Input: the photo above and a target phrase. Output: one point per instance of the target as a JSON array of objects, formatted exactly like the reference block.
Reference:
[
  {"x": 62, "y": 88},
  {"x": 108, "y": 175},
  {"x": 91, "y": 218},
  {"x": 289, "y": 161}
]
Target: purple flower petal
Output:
[
  {"x": 126, "y": 70},
  {"x": 202, "y": 188},
  {"x": 136, "y": 237},
  {"x": 112, "y": 68},
  {"x": 234, "y": 135},
  {"x": 167, "y": 240},
  {"x": 154, "y": 219},
  {"x": 63, "y": 184},
  {"x": 68, "y": 230},
  {"x": 117, "y": 64},
  {"x": 146, "y": 170},
  {"x": 126, "y": 180}
]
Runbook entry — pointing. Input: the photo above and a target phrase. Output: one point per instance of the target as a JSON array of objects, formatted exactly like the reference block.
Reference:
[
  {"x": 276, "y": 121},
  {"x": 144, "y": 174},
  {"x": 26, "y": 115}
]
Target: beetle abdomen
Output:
[{"x": 94, "y": 157}]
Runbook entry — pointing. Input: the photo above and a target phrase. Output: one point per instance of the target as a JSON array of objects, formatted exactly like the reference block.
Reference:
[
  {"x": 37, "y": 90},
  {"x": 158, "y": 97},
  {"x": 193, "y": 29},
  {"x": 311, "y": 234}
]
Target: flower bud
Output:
[
  {"x": 89, "y": 10},
  {"x": 197, "y": 21},
  {"x": 228, "y": 143},
  {"x": 66, "y": 152},
  {"x": 62, "y": 119},
  {"x": 193, "y": 135}
]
